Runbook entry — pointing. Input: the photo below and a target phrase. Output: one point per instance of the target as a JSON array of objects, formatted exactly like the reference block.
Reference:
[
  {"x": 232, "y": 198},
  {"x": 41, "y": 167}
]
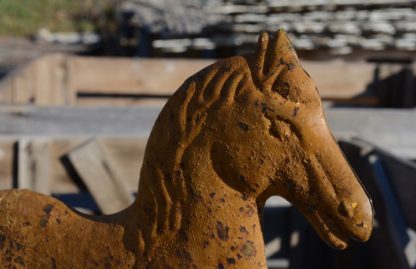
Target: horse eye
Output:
[
  {"x": 286, "y": 90},
  {"x": 282, "y": 88}
]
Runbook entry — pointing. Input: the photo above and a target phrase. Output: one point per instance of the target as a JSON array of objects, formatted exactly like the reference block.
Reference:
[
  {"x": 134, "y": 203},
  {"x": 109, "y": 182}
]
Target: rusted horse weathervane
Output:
[{"x": 234, "y": 134}]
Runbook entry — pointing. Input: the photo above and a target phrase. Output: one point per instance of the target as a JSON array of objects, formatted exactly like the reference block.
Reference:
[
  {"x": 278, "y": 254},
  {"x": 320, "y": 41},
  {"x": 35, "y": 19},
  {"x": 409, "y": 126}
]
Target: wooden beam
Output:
[
  {"x": 33, "y": 165},
  {"x": 81, "y": 121},
  {"x": 138, "y": 76},
  {"x": 390, "y": 129},
  {"x": 73, "y": 80},
  {"x": 7, "y": 163},
  {"x": 101, "y": 176},
  {"x": 125, "y": 152}
]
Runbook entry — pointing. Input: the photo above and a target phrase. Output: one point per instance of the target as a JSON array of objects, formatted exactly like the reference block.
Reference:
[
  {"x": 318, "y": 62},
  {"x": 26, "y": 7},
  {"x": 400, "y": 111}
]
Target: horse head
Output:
[
  {"x": 271, "y": 138},
  {"x": 256, "y": 123}
]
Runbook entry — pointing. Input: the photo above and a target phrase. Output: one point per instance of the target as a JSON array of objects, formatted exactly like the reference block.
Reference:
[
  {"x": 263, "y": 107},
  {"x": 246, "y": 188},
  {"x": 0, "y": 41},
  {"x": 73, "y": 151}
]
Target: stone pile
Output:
[{"x": 338, "y": 26}]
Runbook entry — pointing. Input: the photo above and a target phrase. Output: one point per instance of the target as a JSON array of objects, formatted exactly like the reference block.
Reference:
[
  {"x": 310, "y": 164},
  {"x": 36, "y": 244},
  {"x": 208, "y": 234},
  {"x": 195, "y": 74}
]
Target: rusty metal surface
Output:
[{"x": 234, "y": 134}]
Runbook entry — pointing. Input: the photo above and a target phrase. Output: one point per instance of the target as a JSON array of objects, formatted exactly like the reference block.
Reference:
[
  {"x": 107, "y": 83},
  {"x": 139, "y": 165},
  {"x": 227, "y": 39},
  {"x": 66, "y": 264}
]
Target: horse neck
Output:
[{"x": 221, "y": 220}]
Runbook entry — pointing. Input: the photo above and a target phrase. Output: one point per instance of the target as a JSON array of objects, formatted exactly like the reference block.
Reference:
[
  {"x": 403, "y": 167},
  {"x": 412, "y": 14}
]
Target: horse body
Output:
[
  {"x": 47, "y": 234},
  {"x": 234, "y": 134}
]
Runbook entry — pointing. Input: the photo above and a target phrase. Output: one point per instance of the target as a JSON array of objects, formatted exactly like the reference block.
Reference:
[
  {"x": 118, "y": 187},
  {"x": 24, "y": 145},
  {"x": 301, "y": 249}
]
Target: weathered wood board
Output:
[
  {"x": 125, "y": 153},
  {"x": 123, "y": 133},
  {"x": 390, "y": 129},
  {"x": 33, "y": 165},
  {"x": 101, "y": 176},
  {"x": 7, "y": 162},
  {"x": 59, "y": 79}
]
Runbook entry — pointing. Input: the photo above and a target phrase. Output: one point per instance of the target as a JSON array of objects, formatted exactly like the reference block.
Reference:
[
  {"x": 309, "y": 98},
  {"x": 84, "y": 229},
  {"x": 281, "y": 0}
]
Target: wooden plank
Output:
[
  {"x": 119, "y": 101},
  {"x": 61, "y": 179},
  {"x": 391, "y": 129},
  {"x": 41, "y": 81},
  {"x": 124, "y": 75},
  {"x": 143, "y": 76},
  {"x": 6, "y": 91},
  {"x": 22, "y": 90},
  {"x": 49, "y": 80},
  {"x": 338, "y": 79},
  {"x": 33, "y": 165},
  {"x": 101, "y": 177},
  {"x": 6, "y": 163},
  {"x": 59, "y": 79},
  {"x": 71, "y": 91},
  {"x": 126, "y": 153},
  {"x": 80, "y": 121}
]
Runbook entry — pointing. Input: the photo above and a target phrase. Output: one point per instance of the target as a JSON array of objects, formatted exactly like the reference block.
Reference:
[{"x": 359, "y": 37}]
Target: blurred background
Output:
[{"x": 81, "y": 83}]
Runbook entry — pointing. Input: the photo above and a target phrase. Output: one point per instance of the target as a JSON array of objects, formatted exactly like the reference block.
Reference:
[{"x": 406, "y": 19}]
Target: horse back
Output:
[{"x": 38, "y": 231}]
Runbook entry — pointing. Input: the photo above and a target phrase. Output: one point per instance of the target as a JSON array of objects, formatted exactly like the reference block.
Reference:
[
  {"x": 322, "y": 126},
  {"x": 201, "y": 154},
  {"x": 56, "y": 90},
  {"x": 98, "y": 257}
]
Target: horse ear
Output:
[
  {"x": 284, "y": 49},
  {"x": 275, "y": 51}
]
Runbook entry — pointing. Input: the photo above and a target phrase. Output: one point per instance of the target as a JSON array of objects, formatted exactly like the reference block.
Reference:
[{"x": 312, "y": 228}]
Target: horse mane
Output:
[{"x": 163, "y": 189}]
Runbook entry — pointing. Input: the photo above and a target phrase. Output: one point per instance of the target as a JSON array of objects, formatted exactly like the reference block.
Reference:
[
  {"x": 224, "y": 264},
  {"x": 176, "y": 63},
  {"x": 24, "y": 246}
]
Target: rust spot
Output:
[
  {"x": 222, "y": 231},
  {"x": 2, "y": 240},
  {"x": 183, "y": 236},
  {"x": 197, "y": 118},
  {"x": 19, "y": 246},
  {"x": 47, "y": 209},
  {"x": 243, "y": 229},
  {"x": 248, "y": 249},
  {"x": 290, "y": 66},
  {"x": 205, "y": 244},
  {"x": 184, "y": 255},
  {"x": 243, "y": 126},
  {"x": 212, "y": 194},
  {"x": 230, "y": 260},
  {"x": 43, "y": 222},
  {"x": 295, "y": 111},
  {"x": 107, "y": 262},
  {"x": 249, "y": 211},
  {"x": 19, "y": 260},
  {"x": 221, "y": 266},
  {"x": 53, "y": 263}
]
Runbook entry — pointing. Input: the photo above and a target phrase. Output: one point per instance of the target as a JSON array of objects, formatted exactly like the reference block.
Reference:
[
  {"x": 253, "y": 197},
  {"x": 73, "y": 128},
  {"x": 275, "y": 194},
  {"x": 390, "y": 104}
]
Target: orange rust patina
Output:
[{"x": 234, "y": 134}]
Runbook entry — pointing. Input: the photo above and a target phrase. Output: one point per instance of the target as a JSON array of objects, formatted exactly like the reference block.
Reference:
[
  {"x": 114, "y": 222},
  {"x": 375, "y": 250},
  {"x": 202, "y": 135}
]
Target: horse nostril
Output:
[{"x": 347, "y": 208}]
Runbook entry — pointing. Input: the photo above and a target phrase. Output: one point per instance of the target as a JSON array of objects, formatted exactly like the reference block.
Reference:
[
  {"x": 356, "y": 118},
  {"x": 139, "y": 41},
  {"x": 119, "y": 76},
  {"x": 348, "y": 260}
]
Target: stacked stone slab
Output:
[{"x": 337, "y": 25}]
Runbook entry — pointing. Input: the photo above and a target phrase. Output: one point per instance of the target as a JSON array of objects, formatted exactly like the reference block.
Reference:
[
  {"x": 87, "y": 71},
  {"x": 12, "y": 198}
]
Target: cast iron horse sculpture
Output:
[{"x": 234, "y": 134}]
